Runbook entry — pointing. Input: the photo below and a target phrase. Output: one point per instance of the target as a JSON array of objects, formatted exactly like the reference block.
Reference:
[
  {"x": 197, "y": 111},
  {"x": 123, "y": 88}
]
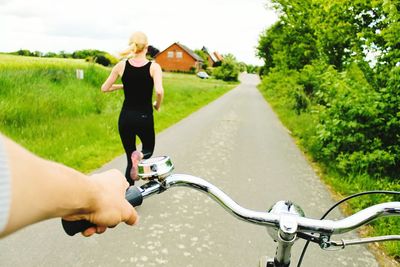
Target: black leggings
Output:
[{"x": 131, "y": 124}]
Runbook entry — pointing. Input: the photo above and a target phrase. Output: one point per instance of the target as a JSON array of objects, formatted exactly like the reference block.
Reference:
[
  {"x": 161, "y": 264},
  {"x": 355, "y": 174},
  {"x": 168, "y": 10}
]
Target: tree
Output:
[
  {"x": 97, "y": 56},
  {"x": 102, "y": 60},
  {"x": 203, "y": 54},
  {"x": 50, "y": 54},
  {"x": 290, "y": 43},
  {"x": 152, "y": 51},
  {"x": 24, "y": 52}
]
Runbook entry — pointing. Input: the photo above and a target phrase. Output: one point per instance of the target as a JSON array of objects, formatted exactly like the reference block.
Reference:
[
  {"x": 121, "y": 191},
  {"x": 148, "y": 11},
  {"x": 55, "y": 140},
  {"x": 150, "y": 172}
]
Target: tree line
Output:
[{"x": 92, "y": 55}]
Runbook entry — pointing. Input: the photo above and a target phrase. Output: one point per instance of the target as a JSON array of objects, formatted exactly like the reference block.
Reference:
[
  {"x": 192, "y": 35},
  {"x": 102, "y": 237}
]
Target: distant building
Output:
[
  {"x": 210, "y": 57},
  {"x": 218, "y": 57},
  {"x": 178, "y": 57}
]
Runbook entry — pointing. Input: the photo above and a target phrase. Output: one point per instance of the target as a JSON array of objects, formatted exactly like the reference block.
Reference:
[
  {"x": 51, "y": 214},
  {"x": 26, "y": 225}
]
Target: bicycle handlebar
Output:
[{"x": 135, "y": 195}]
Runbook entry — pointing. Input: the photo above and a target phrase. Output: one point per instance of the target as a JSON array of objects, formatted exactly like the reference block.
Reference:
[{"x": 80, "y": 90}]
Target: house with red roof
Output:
[{"x": 178, "y": 57}]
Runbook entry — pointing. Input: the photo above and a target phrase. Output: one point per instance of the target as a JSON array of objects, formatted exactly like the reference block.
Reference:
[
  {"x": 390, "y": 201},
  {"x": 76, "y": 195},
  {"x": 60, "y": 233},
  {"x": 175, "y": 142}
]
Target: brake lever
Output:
[{"x": 309, "y": 237}]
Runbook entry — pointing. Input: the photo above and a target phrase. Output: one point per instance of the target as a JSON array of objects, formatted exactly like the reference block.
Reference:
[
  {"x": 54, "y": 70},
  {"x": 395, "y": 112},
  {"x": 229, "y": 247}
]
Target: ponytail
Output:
[{"x": 137, "y": 43}]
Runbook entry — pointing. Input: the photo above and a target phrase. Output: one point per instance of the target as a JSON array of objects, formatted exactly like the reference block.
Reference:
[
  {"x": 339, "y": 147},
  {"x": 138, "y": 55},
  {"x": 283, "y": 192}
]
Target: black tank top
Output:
[{"x": 138, "y": 87}]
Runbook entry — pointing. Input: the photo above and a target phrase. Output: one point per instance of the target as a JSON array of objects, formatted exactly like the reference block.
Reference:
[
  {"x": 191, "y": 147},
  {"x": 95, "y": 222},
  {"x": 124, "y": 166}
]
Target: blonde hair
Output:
[{"x": 137, "y": 43}]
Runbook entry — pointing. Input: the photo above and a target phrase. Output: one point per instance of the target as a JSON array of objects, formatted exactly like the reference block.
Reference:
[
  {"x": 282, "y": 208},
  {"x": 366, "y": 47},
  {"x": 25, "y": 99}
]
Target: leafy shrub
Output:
[
  {"x": 278, "y": 84},
  {"x": 357, "y": 130},
  {"x": 102, "y": 60},
  {"x": 310, "y": 77},
  {"x": 301, "y": 101},
  {"x": 228, "y": 71}
]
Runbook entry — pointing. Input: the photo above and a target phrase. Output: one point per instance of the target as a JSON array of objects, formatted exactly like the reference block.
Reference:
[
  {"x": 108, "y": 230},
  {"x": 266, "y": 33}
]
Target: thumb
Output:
[{"x": 129, "y": 214}]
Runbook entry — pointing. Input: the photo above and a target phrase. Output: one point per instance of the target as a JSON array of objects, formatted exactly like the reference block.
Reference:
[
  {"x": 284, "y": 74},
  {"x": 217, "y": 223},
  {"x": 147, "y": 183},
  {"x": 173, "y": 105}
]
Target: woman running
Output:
[{"x": 139, "y": 77}]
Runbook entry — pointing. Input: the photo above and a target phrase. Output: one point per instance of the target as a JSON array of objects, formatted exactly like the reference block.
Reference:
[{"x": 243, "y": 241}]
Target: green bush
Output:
[
  {"x": 102, "y": 60},
  {"x": 229, "y": 69},
  {"x": 358, "y": 127}
]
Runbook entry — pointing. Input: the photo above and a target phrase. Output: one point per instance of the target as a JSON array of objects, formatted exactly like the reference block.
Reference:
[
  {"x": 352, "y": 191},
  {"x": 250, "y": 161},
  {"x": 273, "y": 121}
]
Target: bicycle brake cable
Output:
[{"x": 337, "y": 204}]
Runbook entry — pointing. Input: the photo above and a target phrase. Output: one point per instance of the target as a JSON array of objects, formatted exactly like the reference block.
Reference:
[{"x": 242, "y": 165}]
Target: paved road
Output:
[{"x": 238, "y": 144}]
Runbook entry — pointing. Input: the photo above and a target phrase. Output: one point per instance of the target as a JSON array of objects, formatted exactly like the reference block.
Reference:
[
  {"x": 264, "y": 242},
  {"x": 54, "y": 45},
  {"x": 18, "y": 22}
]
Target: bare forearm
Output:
[
  {"x": 159, "y": 99},
  {"x": 108, "y": 85},
  {"x": 42, "y": 189},
  {"x": 158, "y": 85},
  {"x": 116, "y": 87},
  {"x": 113, "y": 87}
]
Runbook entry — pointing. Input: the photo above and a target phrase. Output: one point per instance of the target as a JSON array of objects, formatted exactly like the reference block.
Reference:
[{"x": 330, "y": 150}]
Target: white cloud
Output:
[{"x": 227, "y": 26}]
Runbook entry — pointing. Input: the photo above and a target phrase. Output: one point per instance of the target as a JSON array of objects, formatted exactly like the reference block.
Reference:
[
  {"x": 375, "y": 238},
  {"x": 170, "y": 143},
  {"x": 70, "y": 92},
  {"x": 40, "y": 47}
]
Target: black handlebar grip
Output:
[{"x": 132, "y": 195}]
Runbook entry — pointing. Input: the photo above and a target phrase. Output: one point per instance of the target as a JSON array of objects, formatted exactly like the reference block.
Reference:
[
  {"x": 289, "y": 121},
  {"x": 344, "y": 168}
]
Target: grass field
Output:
[{"x": 44, "y": 107}]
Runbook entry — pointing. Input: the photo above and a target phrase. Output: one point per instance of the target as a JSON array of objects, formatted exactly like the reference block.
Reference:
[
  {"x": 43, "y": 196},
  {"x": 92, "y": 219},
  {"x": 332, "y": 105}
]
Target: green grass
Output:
[{"x": 46, "y": 109}]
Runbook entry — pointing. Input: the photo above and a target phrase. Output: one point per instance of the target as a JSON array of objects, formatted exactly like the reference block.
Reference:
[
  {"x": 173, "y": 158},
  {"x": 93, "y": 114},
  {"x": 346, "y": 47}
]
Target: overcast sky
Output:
[{"x": 226, "y": 26}]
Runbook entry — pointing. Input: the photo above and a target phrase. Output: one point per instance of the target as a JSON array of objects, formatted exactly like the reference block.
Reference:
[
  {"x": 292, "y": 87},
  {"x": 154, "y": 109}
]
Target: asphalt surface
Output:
[{"x": 236, "y": 143}]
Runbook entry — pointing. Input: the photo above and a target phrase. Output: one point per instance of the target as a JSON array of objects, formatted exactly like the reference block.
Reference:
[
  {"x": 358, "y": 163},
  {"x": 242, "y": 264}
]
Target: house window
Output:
[
  {"x": 179, "y": 55},
  {"x": 170, "y": 54}
]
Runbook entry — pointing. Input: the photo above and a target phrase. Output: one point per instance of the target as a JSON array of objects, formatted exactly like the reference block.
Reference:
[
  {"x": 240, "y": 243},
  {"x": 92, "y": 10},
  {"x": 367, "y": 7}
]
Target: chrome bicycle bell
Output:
[{"x": 157, "y": 168}]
